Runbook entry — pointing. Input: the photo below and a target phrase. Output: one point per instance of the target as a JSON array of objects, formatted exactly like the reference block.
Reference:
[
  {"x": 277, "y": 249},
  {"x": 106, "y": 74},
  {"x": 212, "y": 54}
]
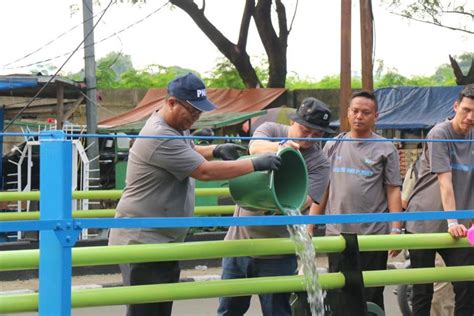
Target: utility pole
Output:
[
  {"x": 346, "y": 88},
  {"x": 90, "y": 78},
  {"x": 366, "y": 39}
]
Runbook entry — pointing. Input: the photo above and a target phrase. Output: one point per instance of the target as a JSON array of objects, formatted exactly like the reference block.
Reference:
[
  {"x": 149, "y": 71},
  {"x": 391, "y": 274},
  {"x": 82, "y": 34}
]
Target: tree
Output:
[
  {"x": 462, "y": 79},
  {"x": 153, "y": 76},
  {"x": 224, "y": 74},
  {"x": 275, "y": 43},
  {"x": 455, "y": 15},
  {"x": 110, "y": 68}
]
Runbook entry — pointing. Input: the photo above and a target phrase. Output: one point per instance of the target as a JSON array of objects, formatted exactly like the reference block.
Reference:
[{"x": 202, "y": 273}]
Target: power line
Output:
[
  {"x": 57, "y": 71},
  {"x": 97, "y": 42},
  {"x": 48, "y": 43}
]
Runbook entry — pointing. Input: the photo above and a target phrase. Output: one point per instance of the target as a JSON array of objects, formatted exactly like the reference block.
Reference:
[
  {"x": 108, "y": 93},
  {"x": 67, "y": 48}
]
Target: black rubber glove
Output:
[
  {"x": 266, "y": 162},
  {"x": 228, "y": 151}
]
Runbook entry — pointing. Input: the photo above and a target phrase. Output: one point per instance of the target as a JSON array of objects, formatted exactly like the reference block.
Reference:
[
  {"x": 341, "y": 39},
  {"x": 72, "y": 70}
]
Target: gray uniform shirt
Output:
[
  {"x": 318, "y": 176},
  {"x": 360, "y": 172},
  {"x": 440, "y": 157},
  {"x": 157, "y": 183}
]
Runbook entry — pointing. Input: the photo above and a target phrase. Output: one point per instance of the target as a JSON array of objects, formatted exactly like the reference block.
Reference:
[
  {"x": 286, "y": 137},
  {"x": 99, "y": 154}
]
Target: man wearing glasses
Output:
[{"x": 160, "y": 181}]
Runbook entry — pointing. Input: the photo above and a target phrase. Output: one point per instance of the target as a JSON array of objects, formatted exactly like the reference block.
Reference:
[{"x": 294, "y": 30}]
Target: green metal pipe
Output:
[
  {"x": 176, "y": 291},
  {"x": 199, "y": 290},
  {"x": 214, "y": 210},
  {"x": 100, "y": 194},
  {"x": 19, "y": 196},
  {"x": 198, "y": 210},
  {"x": 418, "y": 276},
  {"x": 104, "y": 255},
  {"x": 410, "y": 241}
]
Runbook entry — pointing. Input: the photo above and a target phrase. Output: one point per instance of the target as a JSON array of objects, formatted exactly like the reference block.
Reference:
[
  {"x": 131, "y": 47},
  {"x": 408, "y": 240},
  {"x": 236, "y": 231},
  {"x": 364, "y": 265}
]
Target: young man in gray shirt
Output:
[
  {"x": 310, "y": 121},
  {"x": 160, "y": 182},
  {"x": 364, "y": 178},
  {"x": 446, "y": 182}
]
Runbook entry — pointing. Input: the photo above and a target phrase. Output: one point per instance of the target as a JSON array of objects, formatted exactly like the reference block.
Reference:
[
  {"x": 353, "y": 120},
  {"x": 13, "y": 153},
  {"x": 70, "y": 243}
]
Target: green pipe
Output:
[
  {"x": 409, "y": 241},
  {"x": 104, "y": 255},
  {"x": 199, "y": 290},
  {"x": 100, "y": 194},
  {"x": 176, "y": 291},
  {"x": 418, "y": 276},
  {"x": 198, "y": 210},
  {"x": 19, "y": 196}
]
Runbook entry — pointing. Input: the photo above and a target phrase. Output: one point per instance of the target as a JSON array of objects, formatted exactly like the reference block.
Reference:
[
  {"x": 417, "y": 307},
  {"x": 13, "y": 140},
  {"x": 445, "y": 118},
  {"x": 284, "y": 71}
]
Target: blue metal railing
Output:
[{"x": 59, "y": 232}]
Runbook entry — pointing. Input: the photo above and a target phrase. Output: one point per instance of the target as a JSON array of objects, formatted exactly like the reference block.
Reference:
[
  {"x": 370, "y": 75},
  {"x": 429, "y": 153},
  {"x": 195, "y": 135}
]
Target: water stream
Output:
[{"x": 305, "y": 251}]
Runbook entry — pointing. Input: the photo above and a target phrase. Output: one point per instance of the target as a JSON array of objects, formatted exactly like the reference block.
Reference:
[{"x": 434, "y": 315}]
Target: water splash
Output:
[{"x": 305, "y": 250}]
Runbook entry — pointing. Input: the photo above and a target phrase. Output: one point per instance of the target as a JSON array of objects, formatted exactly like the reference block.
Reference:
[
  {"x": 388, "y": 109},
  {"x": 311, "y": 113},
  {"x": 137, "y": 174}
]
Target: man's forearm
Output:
[
  {"x": 205, "y": 151},
  {"x": 394, "y": 202}
]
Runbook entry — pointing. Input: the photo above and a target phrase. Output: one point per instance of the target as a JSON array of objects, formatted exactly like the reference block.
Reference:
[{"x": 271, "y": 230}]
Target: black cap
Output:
[{"x": 314, "y": 114}]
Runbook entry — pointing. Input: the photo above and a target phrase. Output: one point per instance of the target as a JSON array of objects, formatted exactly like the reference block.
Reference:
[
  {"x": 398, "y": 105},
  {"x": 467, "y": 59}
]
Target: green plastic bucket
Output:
[{"x": 279, "y": 190}]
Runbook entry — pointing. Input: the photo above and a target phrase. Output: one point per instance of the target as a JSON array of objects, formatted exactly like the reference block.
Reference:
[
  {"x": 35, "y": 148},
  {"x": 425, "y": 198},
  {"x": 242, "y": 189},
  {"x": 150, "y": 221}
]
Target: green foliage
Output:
[
  {"x": 116, "y": 71},
  {"x": 329, "y": 82},
  {"x": 225, "y": 75}
]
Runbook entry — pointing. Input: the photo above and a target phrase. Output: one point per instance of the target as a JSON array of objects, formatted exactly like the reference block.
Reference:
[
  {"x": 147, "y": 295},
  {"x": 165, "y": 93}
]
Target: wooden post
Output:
[
  {"x": 366, "y": 39},
  {"x": 60, "y": 107},
  {"x": 346, "y": 88}
]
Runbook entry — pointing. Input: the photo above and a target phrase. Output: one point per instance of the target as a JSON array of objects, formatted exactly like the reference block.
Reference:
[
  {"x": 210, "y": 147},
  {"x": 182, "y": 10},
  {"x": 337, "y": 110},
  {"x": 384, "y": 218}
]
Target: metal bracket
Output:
[{"x": 67, "y": 232}]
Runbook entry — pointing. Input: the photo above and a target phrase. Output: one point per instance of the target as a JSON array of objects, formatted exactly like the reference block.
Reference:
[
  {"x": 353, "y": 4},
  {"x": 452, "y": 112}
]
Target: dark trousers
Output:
[
  {"x": 372, "y": 260},
  {"x": 150, "y": 273},
  {"x": 248, "y": 267},
  {"x": 463, "y": 291}
]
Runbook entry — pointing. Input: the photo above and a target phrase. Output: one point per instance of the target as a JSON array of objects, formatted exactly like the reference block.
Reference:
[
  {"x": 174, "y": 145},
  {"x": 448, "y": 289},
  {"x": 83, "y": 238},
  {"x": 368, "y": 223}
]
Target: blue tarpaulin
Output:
[
  {"x": 16, "y": 83},
  {"x": 414, "y": 107}
]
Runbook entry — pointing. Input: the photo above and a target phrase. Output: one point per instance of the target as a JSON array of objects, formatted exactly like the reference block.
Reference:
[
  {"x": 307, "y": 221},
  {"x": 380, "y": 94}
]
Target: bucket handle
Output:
[{"x": 272, "y": 175}]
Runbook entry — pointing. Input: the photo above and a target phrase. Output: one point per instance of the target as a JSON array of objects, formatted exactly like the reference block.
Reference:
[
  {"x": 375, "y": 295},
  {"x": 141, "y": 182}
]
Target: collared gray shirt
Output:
[
  {"x": 440, "y": 157},
  {"x": 158, "y": 183},
  {"x": 318, "y": 177},
  {"x": 360, "y": 173}
]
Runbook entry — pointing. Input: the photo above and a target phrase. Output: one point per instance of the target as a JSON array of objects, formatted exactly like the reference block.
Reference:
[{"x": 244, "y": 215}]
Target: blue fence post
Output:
[{"x": 55, "y": 204}]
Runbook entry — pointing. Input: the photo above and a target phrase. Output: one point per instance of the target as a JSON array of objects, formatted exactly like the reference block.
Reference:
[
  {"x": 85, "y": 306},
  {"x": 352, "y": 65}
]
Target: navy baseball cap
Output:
[{"x": 191, "y": 89}]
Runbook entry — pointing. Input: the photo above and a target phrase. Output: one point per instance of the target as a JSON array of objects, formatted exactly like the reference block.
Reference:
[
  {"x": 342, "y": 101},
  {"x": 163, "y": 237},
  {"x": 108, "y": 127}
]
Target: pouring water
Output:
[{"x": 307, "y": 255}]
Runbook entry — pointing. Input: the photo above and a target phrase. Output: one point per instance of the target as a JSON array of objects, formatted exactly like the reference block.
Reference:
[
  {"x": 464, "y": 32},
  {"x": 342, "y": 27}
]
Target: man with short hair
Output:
[
  {"x": 446, "y": 182},
  {"x": 310, "y": 121},
  {"x": 364, "y": 178},
  {"x": 160, "y": 181}
]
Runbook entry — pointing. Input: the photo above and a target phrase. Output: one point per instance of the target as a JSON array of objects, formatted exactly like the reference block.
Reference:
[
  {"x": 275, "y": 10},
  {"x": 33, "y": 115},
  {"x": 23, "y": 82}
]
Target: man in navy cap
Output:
[{"x": 160, "y": 182}]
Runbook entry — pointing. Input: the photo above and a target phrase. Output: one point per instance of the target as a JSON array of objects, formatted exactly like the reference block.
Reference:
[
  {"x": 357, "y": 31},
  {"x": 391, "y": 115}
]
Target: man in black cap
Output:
[
  {"x": 311, "y": 120},
  {"x": 364, "y": 178},
  {"x": 160, "y": 181}
]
